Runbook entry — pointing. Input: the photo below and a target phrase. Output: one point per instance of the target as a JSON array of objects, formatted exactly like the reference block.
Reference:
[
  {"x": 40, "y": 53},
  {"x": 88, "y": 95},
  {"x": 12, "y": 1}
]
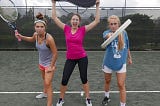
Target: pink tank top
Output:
[{"x": 74, "y": 43}]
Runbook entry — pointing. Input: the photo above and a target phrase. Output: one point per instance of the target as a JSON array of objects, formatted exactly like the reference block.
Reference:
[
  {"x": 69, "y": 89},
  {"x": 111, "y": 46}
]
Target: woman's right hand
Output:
[
  {"x": 97, "y": 2},
  {"x": 18, "y": 36},
  {"x": 109, "y": 35}
]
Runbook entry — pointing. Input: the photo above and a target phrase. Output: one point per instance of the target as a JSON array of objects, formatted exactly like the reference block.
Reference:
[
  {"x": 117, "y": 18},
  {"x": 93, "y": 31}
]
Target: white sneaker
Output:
[
  {"x": 88, "y": 102},
  {"x": 42, "y": 95},
  {"x": 60, "y": 102}
]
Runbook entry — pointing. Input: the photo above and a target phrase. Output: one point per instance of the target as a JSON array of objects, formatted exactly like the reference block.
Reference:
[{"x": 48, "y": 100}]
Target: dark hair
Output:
[
  {"x": 77, "y": 15},
  {"x": 40, "y": 16}
]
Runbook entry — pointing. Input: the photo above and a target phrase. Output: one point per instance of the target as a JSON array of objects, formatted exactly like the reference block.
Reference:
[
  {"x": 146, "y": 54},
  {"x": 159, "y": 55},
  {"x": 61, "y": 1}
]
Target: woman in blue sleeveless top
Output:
[
  {"x": 46, "y": 47},
  {"x": 115, "y": 58}
]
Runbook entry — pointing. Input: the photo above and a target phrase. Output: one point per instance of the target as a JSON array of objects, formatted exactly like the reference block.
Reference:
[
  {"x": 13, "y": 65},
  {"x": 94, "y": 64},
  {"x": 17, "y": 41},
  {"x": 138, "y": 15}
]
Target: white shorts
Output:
[{"x": 108, "y": 70}]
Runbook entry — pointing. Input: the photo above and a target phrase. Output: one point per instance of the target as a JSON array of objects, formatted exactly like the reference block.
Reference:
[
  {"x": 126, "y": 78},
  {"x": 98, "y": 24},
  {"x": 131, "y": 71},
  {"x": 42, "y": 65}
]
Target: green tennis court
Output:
[{"x": 21, "y": 81}]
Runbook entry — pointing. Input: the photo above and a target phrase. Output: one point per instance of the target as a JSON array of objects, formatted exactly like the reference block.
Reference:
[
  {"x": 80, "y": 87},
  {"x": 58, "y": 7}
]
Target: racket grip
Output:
[{"x": 16, "y": 32}]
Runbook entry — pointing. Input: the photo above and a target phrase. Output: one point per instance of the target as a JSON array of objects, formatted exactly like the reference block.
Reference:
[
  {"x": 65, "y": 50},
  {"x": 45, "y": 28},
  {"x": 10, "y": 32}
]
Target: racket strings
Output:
[
  {"x": 9, "y": 13},
  {"x": 8, "y": 10}
]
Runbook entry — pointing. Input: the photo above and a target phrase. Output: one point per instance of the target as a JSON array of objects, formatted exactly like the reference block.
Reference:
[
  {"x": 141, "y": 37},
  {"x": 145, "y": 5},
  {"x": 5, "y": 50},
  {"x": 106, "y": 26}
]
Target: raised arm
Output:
[
  {"x": 54, "y": 16},
  {"x": 97, "y": 18}
]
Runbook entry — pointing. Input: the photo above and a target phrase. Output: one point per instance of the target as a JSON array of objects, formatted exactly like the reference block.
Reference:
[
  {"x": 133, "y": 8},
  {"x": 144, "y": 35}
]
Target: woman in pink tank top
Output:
[{"x": 74, "y": 36}]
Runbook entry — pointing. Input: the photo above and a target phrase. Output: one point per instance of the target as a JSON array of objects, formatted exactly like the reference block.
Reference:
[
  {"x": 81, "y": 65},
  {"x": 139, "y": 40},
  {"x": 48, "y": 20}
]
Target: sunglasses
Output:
[{"x": 113, "y": 23}]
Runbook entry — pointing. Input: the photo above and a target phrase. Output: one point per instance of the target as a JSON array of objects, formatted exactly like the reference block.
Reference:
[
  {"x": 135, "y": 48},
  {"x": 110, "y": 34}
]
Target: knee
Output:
[
  {"x": 48, "y": 84},
  {"x": 121, "y": 86},
  {"x": 84, "y": 80},
  {"x": 64, "y": 82},
  {"x": 107, "y": 80}
]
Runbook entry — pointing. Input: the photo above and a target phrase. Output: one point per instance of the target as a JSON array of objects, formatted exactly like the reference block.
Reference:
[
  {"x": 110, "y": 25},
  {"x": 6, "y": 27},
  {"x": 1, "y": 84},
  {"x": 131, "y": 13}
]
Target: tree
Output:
[{"x": 141, "y": 29}]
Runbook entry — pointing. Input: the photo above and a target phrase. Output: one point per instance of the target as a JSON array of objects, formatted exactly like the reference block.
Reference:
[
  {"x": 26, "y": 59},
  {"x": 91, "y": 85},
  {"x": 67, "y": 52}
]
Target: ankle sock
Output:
[
  {"x": 106, "y": 94},
  {"x": 123, "y": 104}
]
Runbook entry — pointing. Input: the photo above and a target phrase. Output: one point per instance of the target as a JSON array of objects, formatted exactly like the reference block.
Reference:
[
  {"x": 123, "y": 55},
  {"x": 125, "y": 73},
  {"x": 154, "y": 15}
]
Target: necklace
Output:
[{"x": 41, "y": 36}]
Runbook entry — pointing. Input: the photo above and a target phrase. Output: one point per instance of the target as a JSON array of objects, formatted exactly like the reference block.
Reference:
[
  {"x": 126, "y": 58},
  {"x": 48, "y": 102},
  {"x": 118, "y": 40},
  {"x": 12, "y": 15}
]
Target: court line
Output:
[{"x": 77, "y": 92}]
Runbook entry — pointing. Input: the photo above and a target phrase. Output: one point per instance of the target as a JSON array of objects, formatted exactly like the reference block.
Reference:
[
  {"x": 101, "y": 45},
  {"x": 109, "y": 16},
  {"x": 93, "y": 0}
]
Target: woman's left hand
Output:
[
  {"x": 97, "y": 2},
  {"x": 129, "y": 60},
  {"x": 50, "y": 69}
]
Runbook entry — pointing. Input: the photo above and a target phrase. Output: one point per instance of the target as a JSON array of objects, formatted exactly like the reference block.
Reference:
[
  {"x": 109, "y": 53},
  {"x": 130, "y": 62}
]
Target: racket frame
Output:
[
  {"x": 10, "y": 23},
  {"x": 116, "y": 33}
]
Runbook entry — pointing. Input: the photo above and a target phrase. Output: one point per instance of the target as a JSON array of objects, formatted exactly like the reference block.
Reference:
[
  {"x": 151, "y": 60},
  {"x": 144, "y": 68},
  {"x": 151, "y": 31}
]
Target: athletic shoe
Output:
[
  {"x": 60, "y": 102},
  {"x": 88, "y": 102},
  {"x": 106, "y": 100},
  {"x": 42, "y": 95}
]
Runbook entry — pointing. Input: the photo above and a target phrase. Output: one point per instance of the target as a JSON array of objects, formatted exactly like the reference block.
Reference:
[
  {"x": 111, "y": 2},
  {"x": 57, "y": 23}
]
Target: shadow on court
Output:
[{"x": 21, "y": 80}]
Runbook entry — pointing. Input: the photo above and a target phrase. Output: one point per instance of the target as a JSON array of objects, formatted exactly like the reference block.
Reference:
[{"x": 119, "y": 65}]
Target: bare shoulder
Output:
[
  {"x": 49, "y": 37},
  {"x": 35, "y": 35}
]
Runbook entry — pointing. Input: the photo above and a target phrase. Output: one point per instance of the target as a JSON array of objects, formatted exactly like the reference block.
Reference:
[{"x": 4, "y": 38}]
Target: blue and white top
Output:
[
  {"x": 113, "y": 58},
  {"x": 45, "y": 54}
]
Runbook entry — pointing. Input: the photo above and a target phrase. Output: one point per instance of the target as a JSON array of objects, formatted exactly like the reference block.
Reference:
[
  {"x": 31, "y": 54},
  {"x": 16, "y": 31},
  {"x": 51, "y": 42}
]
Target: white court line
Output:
[{"x": 76, "y": 92}]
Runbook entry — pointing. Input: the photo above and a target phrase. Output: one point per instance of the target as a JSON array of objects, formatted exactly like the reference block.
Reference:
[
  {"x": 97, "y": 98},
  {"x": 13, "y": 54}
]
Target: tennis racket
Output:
[
  {"x": 116, "y": 33},
  {"x": 81, "y": 3},
  {"x": 9, "y": 13}
]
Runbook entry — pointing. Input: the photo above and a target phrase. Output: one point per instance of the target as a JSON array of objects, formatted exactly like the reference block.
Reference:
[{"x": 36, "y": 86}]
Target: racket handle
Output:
[{"x": 16, "y": 32}]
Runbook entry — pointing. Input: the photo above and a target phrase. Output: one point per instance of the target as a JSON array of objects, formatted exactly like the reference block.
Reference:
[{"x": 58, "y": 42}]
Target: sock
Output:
[
  {"x": 106, "y": 94},
  {"x": 123, "y": 104},
  {"x": 87, "y": 98}
]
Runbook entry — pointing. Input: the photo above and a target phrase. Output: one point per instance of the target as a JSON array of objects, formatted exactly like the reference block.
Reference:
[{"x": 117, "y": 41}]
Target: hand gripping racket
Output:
[
  {"x": 116, "y": 33},
  {"x": 9, "y": 13}
]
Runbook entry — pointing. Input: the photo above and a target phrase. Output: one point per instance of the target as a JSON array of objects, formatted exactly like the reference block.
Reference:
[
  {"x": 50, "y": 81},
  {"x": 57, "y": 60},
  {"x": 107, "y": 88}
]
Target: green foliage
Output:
[
  {"x": 142, "y": 31},
  {"x": 0, "y": 10}
]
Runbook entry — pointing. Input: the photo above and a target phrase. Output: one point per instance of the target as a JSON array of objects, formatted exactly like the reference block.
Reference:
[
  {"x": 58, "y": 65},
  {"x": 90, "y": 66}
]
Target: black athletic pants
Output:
[{"x": 69, "y": 67}]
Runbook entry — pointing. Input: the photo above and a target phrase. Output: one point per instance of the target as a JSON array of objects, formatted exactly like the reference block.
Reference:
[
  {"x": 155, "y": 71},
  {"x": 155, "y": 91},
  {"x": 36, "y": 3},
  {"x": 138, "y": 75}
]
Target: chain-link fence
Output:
[{"x": 143, "y": 32}]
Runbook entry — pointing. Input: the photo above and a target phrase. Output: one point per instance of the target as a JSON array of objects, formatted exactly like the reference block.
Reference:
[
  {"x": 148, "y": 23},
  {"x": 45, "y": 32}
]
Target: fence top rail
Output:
[{"x": 88, "y": 8}]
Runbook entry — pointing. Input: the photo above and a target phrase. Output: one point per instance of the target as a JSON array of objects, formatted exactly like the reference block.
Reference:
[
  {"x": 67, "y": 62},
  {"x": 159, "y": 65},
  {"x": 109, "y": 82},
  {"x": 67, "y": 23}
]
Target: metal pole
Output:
[
  {"x": 125, "y": 8},
  {"x": 26, "y": 6},
  {"x": 77, "y": 9}
]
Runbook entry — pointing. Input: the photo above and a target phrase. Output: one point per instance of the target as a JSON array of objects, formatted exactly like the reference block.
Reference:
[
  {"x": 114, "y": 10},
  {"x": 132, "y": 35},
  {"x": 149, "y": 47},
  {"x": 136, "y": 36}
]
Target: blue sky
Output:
[{"x": 104, "y": 3}]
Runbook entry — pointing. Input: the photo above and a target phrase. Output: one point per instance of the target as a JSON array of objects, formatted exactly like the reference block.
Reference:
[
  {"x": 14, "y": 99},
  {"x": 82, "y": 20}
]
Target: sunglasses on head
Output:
[{"x": 113, "y": 23}]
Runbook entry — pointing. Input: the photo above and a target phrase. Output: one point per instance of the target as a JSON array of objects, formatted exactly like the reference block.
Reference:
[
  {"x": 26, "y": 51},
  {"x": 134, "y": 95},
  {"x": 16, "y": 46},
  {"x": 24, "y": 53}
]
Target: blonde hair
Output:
[{"x": 120, "y": 36}]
